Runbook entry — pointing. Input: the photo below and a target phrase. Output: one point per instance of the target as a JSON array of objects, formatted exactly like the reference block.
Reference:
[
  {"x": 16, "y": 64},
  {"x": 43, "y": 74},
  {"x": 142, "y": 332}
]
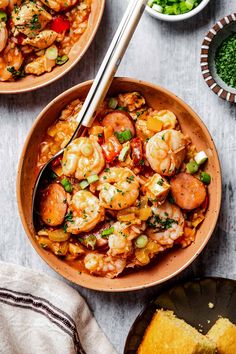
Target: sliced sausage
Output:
[
  {"x": 53, "y": 206},
  {"x": 119, "y": 120},
  {"x": 188, "y": 192}
]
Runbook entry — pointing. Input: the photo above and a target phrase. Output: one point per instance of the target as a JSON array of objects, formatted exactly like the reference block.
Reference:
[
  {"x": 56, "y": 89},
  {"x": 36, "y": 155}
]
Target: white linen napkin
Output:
[{"x": 42, "y": 315}]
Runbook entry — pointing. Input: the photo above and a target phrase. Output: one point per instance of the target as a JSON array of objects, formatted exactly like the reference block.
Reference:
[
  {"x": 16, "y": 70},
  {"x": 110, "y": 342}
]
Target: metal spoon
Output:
[{"x": 101, "y": 83}]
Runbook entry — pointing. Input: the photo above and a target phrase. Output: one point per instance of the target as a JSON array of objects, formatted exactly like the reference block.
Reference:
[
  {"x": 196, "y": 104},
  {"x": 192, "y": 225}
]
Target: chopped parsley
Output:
[
  {"x": 160, "y": 182},
  {"x": 156, "y": 222}
]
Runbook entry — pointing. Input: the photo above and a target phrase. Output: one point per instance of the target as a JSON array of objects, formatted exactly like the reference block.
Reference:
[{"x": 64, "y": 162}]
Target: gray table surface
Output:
[{"x": 162, "y": 53}]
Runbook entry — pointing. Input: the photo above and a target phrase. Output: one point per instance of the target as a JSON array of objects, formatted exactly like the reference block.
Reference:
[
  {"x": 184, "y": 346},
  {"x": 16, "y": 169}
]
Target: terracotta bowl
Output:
[
  {"x": 32, "y": 82},
  {"x": 170, "y": 263}
]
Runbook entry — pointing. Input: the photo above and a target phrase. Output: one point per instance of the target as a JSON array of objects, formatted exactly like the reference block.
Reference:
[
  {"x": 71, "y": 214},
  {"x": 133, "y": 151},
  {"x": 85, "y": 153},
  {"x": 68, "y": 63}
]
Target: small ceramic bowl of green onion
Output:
[
  {"x": 218, "y": 58},
  {"x": 175, "y": 10}
]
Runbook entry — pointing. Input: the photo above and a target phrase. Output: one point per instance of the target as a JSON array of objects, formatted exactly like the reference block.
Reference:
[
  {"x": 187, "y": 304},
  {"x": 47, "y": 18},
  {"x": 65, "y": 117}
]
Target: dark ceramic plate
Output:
[{"x": 190, "y": 302}]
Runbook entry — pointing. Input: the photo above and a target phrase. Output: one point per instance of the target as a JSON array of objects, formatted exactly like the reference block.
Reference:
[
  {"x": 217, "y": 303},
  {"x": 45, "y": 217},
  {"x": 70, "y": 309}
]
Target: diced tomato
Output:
[
  {"x": 60, "y": 24},
  {"x": 111, "y": 148},
  {"x": 137, "y": 151},
  {"x": 56, "y": 162}
]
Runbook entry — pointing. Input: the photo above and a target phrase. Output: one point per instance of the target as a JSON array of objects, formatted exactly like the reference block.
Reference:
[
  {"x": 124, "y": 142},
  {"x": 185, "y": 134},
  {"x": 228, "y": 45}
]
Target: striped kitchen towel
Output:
[{"x": 42, "y": 315}]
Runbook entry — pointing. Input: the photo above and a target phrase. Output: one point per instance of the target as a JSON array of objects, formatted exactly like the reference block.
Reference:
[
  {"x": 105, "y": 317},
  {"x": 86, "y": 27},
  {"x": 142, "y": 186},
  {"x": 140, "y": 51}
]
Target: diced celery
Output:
[
  {"x": 124, "y": 153},
  {"x": 84, "y": 184},
  {"x": 92, "y": 179},
  {"x": 67, "y": 185},
  {"x": 200, "y": 157},
  {"x": 141, "y": 241},
  {"x": 52, "y": 52},
  {"x": 192, "y": 167}
]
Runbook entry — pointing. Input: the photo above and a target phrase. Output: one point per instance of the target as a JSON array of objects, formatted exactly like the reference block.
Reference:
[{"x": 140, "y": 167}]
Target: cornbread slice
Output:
[
  {"x": 167, "y": 334},
  {"x": 223, "y": 333}
]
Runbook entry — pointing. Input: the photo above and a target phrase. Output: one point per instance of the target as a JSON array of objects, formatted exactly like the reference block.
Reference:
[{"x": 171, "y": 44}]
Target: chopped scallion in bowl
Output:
[{"x": 175, "y": 10}]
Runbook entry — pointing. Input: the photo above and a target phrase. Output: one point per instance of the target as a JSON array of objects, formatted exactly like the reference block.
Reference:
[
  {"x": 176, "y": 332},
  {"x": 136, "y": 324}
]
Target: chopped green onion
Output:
[
  {"x": 87, "y": 149},
  {"x": 157, "y": 8},
  {"x": 89, "y": 241},
  {"x": 173, "y": 7},
  {"x": 60, "y": 60},
  {"x": 192, "y": 167},
  {"x": 84, "y": 184},
  {"x": 141, "y": 241},
  {"x": 112, "y": 103},
  {"x": 52, "y": 52},
  {"x": 124, "y": 152},
  {"x": 92, "y": 179},
  {"x": 67, "y": 185},
  {"x": 107, "y": 232},
  {"x": 3, "y": 16},
  {"x": 201, "y": 157},
  {"x": 124, "y": 136},
  {"x": 205, "y": 178}
]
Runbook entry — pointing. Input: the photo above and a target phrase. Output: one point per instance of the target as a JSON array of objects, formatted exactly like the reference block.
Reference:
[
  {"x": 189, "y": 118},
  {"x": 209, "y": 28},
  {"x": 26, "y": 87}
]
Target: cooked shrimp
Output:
[
  {"x": 188, "y": 192},
  {"x": 59, "y": 5},
  {"x": 118, "y": 188},
  {"x": 43, "y": 40},
  {"x": 131, "y": 101},
  {"x": 40, "y": 65},
  {"x": 119, "y": 121},
  {"x": 168, "y": 119},
  {"x": 166, "y": 225},
  {"x": 11, "y": 59},
  {"x": 30, "y": 18},
  {"x": 83, "y": 158},
  {"x": 165, "y": 151},
  {"x": 3, "y": 35},
  {"x": 102, "y": 265},
  {"x": 120, "y": 241},
  {"x": 85, "y": 212},
  {"x": 156, "y": 188},
  {"x": 53, "y": 205}
]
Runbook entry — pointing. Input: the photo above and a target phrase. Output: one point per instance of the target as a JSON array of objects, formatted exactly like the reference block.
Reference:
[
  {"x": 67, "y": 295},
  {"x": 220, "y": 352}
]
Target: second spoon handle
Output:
[{"x": 110, "y": 63}]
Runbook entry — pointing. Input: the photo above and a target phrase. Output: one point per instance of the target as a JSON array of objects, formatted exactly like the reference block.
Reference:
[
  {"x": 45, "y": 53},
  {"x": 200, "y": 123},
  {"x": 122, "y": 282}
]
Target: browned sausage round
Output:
[
  {"x": 188, "y": 192},
  {"x": 53, "y": 205},
  {"x": 119, "y": 120}
]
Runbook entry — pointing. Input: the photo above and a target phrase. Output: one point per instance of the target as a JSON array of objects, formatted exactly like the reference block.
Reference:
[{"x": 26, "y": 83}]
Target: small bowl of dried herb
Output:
[{"x": 218, "y": 58}]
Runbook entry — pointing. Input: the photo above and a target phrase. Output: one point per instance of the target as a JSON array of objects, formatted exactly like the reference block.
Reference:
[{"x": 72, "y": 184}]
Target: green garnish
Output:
[
  {"x": 3, "y": 16},
  {"x": 69, "y": 216},
  {"x": 225, "y": 61},
  {"x": 84, "y": 184},
  {"x": 156, "y": 222},
  {"x": 124, "y": 136},
  {"x": 67, "y": 185},
  {"x": 205, "y": 178},
  {"x": 173, "y": 7},
  {"x": 16, "y": 74},
  {"x": 141, "y": 241},
  {"x": 92, "y": 179},
  {"x": 112, "y": 103},
  {"x": 192, "y": 167},
  {"x": 89, "y": 242},
  {"x": 60, "y": 60},
  {"x": 107, "y": 232}
]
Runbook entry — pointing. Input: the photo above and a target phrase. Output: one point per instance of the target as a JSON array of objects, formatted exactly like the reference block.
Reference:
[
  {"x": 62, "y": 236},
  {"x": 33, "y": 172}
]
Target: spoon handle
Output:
[{"x": 110, "y": 63}]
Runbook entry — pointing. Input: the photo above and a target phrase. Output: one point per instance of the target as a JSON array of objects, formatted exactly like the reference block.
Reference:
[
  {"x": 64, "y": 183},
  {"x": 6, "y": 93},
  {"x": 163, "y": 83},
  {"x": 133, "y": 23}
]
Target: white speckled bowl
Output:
[{"x": 175, "y": 18}]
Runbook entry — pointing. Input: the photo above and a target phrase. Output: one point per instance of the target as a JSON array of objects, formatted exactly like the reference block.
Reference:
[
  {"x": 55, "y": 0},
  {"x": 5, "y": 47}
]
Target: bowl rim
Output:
[
  {"x": 180, "y": 17},
  {"x": 204, "y": 59},
  {"x": 20, "y": 206},
  {"x": 70, "y": 67}
]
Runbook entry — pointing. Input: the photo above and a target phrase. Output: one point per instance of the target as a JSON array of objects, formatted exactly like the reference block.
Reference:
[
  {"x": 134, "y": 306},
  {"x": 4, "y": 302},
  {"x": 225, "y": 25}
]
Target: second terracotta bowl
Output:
[
  {"x": 165, "y": 266},
  {"x": 33, "y": 82}
]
